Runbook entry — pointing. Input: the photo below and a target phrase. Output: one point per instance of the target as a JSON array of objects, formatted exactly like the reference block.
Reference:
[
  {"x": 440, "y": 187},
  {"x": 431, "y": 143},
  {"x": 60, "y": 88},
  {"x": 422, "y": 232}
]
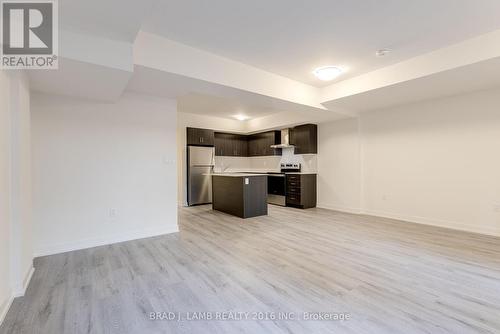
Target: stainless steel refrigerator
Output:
[{"x": 200, "y": 164}]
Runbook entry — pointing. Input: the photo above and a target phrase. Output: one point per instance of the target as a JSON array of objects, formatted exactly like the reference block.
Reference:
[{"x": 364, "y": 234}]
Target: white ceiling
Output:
[
  {"x": 195, "y": 103},
  {"x": 81, "y": 79},
  {"x": 114, "y": 19},
  {"x": 208, "y": 98},
  {"x": 292, "y": 37},
  {"x": 284, "y": 37},
  {"x": 475, "y": 77}
]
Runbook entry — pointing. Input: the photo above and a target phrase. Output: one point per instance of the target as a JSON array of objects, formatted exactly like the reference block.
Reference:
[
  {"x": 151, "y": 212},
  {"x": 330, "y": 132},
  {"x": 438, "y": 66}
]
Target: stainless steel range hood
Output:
[{"x": 285, "y": 139}]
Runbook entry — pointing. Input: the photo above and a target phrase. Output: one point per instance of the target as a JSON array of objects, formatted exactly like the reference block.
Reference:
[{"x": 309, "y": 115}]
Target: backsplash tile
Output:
[{"x": 309, "y": 162}]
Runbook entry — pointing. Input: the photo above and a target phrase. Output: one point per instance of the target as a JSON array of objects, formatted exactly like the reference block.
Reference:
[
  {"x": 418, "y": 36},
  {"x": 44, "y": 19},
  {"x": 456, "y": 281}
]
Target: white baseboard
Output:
[
  {"x": 434, "y": 222},
  {"x": 101, "y": 241},
  {"x": 340, "y": 208},
  {"x": 414, "y": 219},
  {"x": 4, "y": 308},
  {"x": 17, "y": 292},
  {"x": 21, "y": 290}
]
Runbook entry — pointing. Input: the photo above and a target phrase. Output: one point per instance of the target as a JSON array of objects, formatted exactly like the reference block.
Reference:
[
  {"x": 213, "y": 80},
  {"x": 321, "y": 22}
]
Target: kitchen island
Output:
[{"x": 240, "y": 194}]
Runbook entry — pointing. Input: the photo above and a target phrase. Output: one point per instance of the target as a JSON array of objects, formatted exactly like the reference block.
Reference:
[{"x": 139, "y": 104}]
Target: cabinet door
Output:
[
  {"x": 219, "y": 144},
  {"x": 242, "y": 146},
  {"x": 192, "y": 136},
  {"x": 271, "y": 141},
  {"x": 237, "y": 147},
  {"x": 266, "y": 143},
  {"x": 234, "y": 145},
  {"x": 207, "y": 137},
  {"x": 252, "y": 146},
  {"x": 272, "y": 138},
  {"x": 262, "y": 145},
  {"x": 200, "y": 137},
  {"x": 305, "y": 138},
  {"x": 228, "y": 145},
  {"x": 231, "y": 145},
  {"x": 295, "y": 139}
]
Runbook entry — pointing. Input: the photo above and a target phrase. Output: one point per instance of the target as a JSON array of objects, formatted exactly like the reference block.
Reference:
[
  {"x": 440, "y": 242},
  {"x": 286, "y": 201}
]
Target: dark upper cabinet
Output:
[
  {"x": 200, "y": 137},
  {"x": 242, "y": 146},
  {"x": 304, "y": 138},
  {"x": 231, "y": 145},
  {"x": 254, "y": 145},
  {"x": 220, "y": 144},
  {"x": 260, "y": 144},
  {"x": 253, "y": 149},
  {"x": 235, "y": 145}
]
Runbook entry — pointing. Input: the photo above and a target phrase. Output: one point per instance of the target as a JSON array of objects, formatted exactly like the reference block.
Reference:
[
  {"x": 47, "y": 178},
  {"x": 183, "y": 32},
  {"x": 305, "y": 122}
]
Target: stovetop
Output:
[{"x": 289, "y": 167}]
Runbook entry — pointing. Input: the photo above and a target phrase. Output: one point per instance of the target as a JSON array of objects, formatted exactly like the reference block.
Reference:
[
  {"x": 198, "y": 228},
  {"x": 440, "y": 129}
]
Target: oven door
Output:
[{"x": 276, "y": 189}]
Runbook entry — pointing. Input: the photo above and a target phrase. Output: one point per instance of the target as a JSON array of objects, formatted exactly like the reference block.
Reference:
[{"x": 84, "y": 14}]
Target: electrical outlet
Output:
[
  {"x": 384, "y": 197},
  {"x": 113, "y": 212},
  {"x": 496, "y": 208}
]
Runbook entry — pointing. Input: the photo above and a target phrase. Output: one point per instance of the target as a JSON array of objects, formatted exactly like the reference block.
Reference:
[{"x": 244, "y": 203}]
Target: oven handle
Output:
[{"x": 276, "y": 175}]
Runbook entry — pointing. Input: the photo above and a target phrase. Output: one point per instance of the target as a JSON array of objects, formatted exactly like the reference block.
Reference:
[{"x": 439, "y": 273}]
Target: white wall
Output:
[
  {"x": 16, "y": 255},
  {"x": 5, "y": 288},
  {"x": 103, "y": 172},
  {"x": 435, "y": 162},
  {"x": 339, "y": 178},
  {"x": 21, "y": 186}
]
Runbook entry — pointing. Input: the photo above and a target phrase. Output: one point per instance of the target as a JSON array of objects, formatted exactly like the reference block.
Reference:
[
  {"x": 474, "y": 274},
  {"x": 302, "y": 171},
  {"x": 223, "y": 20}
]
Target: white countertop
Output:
[
  {"x": 260, "y": 171},
  {"x": 300, "y": 173},
  {"x": 241, "y": 174},
  {"x": 250, "y": 170},
  {"x": 236, "y": 174}
]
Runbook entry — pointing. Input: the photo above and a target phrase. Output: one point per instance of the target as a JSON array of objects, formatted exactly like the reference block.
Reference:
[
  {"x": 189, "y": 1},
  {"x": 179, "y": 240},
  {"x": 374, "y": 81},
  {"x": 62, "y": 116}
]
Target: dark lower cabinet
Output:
[
  {"x": 301, "y": 190},
  {"x": 200, "y": 137}
]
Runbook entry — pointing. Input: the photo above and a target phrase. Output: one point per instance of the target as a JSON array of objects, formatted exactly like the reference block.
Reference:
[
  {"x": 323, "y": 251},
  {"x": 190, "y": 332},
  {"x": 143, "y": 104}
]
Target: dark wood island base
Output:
[{"x": 241, "y": 195}]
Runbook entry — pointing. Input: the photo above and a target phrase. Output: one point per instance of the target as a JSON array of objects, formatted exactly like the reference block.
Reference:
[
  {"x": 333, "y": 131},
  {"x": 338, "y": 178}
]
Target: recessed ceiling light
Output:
[
  {"x": 328, "y": 73},
  {"x": 241, "y": 117},
  {"x": 382, "y": 52}
]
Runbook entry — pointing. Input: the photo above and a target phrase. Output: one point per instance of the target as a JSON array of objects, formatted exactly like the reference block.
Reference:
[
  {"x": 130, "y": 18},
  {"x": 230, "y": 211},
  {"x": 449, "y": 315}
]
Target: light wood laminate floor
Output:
[{"x": 389, "y": 276}]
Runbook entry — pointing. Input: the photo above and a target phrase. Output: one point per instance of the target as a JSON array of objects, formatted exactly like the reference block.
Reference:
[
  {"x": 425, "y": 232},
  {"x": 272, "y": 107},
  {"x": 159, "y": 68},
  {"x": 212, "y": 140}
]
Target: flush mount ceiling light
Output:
[
  {"x": 241, "y": 117},
  {"x": 328, "y": 73},
  {"x": 382, "y": 52}
]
